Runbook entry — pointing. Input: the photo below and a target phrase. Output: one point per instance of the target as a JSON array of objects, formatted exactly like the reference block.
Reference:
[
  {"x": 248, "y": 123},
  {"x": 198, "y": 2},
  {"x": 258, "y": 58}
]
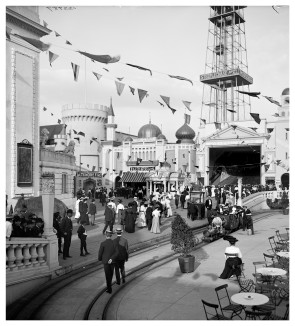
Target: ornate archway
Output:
[
  {"x": 88, "y": 184},
  {"x": 118, "y": 182}
]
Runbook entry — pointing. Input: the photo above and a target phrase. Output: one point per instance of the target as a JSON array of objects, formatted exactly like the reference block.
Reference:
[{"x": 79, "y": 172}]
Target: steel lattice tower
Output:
[{"x": 226, "y": 69}]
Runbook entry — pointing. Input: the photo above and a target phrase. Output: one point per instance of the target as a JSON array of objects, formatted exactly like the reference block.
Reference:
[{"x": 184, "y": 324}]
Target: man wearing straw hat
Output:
[{"x": 122, "y": 247}]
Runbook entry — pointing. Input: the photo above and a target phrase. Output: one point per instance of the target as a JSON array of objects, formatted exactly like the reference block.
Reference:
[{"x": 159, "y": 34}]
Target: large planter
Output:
[{"x": 187, "y": 264}]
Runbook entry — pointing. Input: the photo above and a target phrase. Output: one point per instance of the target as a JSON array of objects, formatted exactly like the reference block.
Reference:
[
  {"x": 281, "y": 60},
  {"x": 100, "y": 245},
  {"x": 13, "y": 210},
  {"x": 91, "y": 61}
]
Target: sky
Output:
[{"x": 167, "y": 40}]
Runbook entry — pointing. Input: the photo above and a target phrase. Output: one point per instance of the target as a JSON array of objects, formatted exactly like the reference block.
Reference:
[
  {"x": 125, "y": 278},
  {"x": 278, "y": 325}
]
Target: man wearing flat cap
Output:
[
  {"x": 107, "y": 255},
  {"x": 66, "y": 228},
  {"x": 122, "y": 246}
]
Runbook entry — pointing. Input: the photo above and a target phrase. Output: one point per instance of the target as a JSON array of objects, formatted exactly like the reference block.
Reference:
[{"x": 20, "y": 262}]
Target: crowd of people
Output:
[{"x": 24, "y": 224}]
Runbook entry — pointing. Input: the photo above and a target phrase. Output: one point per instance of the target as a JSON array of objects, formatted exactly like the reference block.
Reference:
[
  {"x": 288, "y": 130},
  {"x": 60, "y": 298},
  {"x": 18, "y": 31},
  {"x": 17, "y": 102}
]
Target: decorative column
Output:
[
  {"x": 239, "y": 202},
  {"x": 151, "y": 187},
  {"x": 147, "y": 190},
  {"x": 48, "y": 191}
]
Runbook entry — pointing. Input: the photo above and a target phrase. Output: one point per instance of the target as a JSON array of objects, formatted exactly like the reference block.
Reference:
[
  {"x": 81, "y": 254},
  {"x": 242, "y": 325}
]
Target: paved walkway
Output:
[
  {"x": 167, "y": 294},
  {"x": 95, "y": 236}
]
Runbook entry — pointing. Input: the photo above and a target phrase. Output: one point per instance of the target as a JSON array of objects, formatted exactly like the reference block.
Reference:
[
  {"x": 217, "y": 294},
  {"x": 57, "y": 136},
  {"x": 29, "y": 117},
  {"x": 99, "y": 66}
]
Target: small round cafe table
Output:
[
  {"x": 271, "y": 271},
  {"x": 249, "y": 299},
  {"x": 283, "y": 254}
]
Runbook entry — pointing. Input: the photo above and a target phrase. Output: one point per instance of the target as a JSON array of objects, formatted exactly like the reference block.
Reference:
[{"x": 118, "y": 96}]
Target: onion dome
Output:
[
  {"x": 128, "y": 138},
  {"x": 161, "y": 136},
  {"x": 286, "y": 91},
  {"x": 185, "y": 134},
  {"x": 148, "y": 131}
]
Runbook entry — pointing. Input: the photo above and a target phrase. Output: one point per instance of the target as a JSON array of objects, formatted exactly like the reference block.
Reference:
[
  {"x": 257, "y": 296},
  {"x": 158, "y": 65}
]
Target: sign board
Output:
[
  {"x": 226, "y": 73},
  {"x": 88, "y": 174},
  {"x": 142, "y": 168}
]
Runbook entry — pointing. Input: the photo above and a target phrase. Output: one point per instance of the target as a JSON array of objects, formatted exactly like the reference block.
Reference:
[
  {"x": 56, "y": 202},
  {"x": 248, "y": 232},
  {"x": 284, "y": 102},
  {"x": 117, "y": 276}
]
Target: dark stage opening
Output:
[{"x": 226, "y": 164}]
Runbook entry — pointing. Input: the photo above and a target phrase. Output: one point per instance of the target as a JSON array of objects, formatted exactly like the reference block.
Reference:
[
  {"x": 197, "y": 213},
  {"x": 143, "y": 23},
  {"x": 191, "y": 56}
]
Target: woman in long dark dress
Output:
[
  {"x": 130, "y": 218},
  {"x": 232, "y": 264}
]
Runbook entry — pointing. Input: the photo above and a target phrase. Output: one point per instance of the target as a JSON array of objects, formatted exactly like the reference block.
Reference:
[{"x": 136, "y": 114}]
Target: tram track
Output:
[{"x": 28, "y": 307}]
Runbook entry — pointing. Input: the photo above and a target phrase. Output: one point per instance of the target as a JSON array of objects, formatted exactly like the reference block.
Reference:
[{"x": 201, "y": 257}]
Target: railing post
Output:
[
  {"x": 27, "y": 256},
  {"x": 19, "y": 257},
  {"x": 11, "y": 257},
  {"x": 48, "y": 190}
]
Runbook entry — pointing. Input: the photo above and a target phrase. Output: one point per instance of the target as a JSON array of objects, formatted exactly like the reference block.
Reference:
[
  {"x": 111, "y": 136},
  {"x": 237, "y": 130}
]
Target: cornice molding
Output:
[{"x": 26, "y": 23}]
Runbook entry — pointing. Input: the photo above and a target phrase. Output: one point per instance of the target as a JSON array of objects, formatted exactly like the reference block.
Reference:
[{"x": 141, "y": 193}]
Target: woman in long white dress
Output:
[
  {"x": 156, "y": 222},
  {"x": 77, "y": 215},
  {"x": 141, "y": 222},
  {"x": 168, "y": 207}
]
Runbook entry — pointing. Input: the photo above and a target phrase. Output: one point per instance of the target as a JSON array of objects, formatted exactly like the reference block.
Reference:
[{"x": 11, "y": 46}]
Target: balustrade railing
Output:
[{"x": 25, "y": 253}]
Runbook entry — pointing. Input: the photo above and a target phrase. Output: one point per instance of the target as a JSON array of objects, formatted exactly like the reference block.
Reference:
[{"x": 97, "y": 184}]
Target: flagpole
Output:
[{"x": 85, "y": 90}]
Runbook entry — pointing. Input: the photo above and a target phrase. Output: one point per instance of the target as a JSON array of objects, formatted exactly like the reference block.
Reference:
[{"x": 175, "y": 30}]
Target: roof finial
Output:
[{"x": 150, "y": 117}]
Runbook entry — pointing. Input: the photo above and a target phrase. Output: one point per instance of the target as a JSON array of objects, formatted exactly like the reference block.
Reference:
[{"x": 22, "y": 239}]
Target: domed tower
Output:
[
  {"x": 149, "y": 131},
  {"x": 185, "y": 135},
  {"x": 285, "y": 100},
  {"x": 90, "y": 119}
]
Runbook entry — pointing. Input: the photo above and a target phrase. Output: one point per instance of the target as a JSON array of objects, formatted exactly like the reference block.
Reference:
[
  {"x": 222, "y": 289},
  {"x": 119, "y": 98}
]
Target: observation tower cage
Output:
[{"x": 226, "y": 68}]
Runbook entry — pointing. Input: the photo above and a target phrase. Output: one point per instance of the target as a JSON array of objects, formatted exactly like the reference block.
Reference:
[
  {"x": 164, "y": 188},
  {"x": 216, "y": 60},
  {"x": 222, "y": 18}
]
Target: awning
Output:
[{"x": 134, "y": 177}]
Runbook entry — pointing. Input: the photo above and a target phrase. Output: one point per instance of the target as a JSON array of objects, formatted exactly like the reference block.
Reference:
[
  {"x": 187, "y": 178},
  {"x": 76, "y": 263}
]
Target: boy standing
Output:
[{"x": 82, "y": 234}]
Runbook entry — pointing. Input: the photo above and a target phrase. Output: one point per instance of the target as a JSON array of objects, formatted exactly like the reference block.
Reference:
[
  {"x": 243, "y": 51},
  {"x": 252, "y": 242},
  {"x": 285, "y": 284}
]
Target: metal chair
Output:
[
  {"x": 211, "y": 311},
  {"x": 280, "y": 237},
  {"x": 225, "y": 303},
  {"x": 276, "y": 246},
  {"x": 257, "y": 315},
  {"x": 246, "y": 285},
  {"x": 270, "y": 260}
]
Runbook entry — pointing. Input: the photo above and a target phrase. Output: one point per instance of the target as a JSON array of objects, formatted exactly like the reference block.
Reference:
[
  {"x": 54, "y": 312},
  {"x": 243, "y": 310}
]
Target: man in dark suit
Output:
[
  {"x": 208, "y": 205},
  {"x": 66, "y": 228},
  {"x": 110, "y": 216},
  {"x": 107, "y": 254},
  {"x": 122, "y": 247}
]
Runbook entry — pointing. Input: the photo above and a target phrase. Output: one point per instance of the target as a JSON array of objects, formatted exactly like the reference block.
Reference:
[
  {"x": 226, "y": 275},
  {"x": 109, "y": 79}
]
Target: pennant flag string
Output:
[
  {"x": 52, "y": 57},
  {"x": 252, "y": 94},
  {"x": 75, "y": 71},
  {"x": 141, "y": 94},
  {"x": 120, "y": 87},
  {"x": 272, "y": 100},
  {"x": 181, "y": 78},
  {"x": 167, "y": 102}
]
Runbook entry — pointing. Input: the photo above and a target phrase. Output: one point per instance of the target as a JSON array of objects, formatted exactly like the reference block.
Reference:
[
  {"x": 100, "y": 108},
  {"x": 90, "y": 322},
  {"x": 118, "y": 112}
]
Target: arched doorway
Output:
[
  {"x": 118, "y": 182},
  {"x": 285, "y": 180},
  {"x": 89, "y": 184}
]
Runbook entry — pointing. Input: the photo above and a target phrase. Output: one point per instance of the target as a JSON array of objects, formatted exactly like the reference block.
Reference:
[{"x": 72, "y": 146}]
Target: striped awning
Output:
[{"x": 134, "y": 177}]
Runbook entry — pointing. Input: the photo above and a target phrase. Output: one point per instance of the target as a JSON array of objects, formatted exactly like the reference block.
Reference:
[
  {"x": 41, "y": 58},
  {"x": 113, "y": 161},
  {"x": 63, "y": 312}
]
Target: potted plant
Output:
[
  {"x": 285, "y": 203},
  {"x": 183, "y": 242}
]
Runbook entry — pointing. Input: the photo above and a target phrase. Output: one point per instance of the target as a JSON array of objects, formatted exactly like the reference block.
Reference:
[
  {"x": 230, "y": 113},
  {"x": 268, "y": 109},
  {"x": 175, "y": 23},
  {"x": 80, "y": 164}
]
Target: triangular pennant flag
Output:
[
  {"x": 52, "y": 57},
  {"x": 187, "y": 104},
  {"x": 59, "y": 121},
  {"x": 56, "y": 34},
  {"x": 75, "y": 70},
  {"x": 81, "y": 133},
  {"x": 91, "y": 141},
  {"x": 287, "y": 129},
  {"x": 107, "y": 169},
  {"x": 67, "y": 42},
  {"x": 44, "y": 108},
  {"x": 160, "y": 103},
  {"x": 104, "y": 174},
  {"x": 98, "y": 76},
  {"x": 207, "y": 172},
  {"x": 101, "y": 58},
  {"x": 187, "y": 118},
  {"x": 139, "y": 67},
  {"x": 10, "y": 211},
  {"x": 132, "y": 90},
  {"x": 166, "y": 99},
  {"x": 181, "y": 78},
  {"x": 278, "y": 162},
  {"x": 93, "y": 168},
  {"x": 233, "y": 111},
  {"x": 253, "y": 94},
  {"x": 253, "y": 128},
  {"x": 141, "y": 94},
  {"x": 269, "y": 130},
  {"x": 75, "y": 132},
  {"x": 120, "y": 79},
  {"x": 78, "y": 139},
  {"x": 255, "y": 116},
  {"x": 272, "y": 100},
  {"x": 234, "y": 127},
  {"x": 266, "y": 166},
  {"x": 204, "y": 121},
  {"x": 51, "y": 114},
  {"x": 217, "y": 125},
  {"x": 120, "y": 87},
  {"x": 45, "y": 24}
]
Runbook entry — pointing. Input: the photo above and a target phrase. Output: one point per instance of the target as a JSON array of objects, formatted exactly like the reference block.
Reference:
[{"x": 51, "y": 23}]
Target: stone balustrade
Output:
[
  {"x": 25, "y": 253},
  {"x": 275, "y": 194}
]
